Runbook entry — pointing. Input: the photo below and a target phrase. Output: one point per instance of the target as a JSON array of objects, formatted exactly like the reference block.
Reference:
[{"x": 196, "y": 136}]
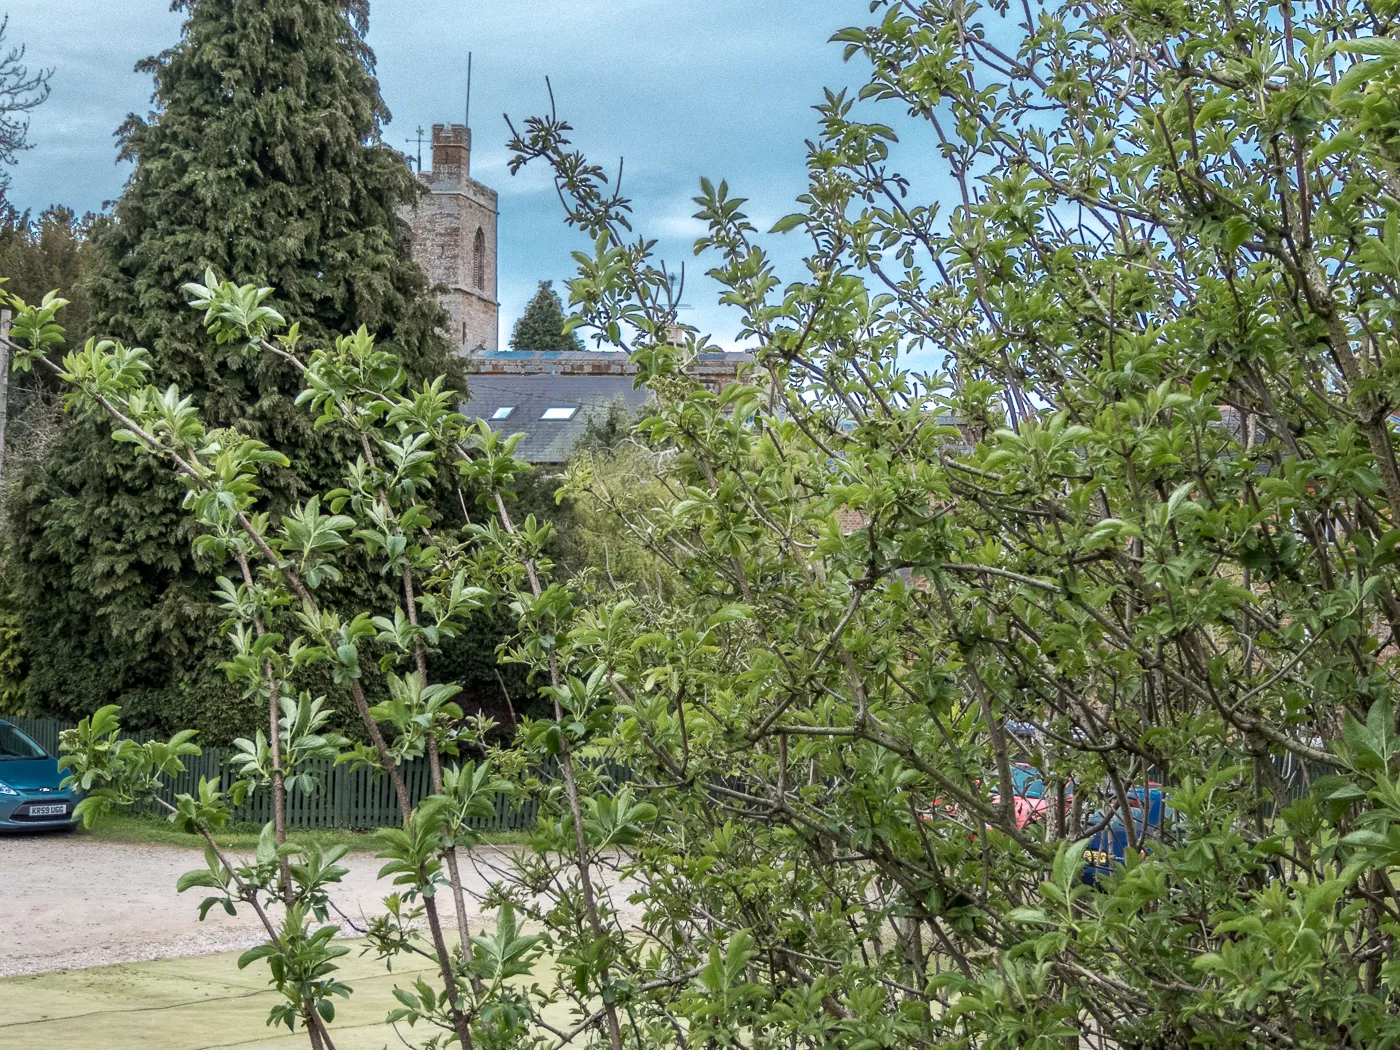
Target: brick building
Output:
[{"x": 453, "y": 226}]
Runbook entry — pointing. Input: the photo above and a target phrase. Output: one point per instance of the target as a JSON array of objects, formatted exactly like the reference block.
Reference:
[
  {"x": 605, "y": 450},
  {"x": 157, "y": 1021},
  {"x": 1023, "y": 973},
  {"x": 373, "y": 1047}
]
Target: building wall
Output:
[
  {"x": 445, "y": 222},
  {"x": 714, "y": 370}
]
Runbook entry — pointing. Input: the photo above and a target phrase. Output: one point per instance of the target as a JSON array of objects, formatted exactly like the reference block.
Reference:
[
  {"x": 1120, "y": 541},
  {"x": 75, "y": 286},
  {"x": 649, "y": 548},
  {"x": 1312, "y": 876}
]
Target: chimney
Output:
[{"x": 452, "y": 147}]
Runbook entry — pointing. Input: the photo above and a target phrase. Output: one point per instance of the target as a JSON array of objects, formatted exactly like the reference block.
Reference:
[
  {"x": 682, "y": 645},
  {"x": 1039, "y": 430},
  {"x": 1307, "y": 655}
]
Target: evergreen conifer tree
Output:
[
  {"x": 54, "y": 250},
  {"x": 262, "y": 161},
  {"x": 541, "y": 326}
]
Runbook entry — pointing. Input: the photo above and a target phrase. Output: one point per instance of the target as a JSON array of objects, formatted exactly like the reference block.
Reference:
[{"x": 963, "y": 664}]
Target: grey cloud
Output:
[{"x": 720, "y": 88}]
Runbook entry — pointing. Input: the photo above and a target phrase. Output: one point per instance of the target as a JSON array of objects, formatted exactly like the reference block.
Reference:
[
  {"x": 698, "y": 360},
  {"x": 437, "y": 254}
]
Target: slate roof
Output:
[
  {"x": 594, "y": 362},
  {"x": 548, "y": 442}
]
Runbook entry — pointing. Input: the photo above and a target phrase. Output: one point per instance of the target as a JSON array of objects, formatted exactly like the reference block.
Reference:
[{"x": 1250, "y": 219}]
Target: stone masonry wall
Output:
[{"x": 444, "y": 224}]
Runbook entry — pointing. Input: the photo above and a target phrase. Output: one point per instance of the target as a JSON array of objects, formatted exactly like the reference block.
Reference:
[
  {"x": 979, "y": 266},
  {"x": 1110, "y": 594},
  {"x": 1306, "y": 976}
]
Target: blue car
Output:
[
  {"x": 30, "y": 795},
  {"x": 1109, "y": 847}
]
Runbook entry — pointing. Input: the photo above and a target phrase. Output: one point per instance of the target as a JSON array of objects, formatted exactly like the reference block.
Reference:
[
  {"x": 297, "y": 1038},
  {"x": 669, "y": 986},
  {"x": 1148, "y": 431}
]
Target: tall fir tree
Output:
[
  {"x": 263, "y": 161},
  {"x": 55, "y": 250},
  {"x": 541, "y": 326},
  {"x": 37, "y": 255}
]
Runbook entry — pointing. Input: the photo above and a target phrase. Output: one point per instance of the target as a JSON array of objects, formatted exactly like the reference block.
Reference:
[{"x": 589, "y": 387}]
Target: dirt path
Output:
[{"x": 71, "y": 902}]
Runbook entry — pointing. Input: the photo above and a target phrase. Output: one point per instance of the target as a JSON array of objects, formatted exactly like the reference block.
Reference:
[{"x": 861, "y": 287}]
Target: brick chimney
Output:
[{"x": 452, "y": 147}]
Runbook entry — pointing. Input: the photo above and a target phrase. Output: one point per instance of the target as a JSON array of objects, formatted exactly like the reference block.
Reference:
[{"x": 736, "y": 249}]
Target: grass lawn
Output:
[
  {"x": 204, "y": 1002},
  {"x": 154, "y": 828},
  {"x": 193, "y": 1003},
  {"x": 179, "y": 1004}
]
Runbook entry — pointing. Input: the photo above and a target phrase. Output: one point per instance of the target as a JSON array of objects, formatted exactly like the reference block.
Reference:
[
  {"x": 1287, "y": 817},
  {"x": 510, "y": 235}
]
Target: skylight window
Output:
[
  {"x": 560, "y": 413},
  {"x": 503, "y": 412}
]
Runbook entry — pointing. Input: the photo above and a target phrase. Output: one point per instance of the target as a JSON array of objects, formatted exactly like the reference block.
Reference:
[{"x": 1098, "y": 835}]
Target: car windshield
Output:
[
  {"x": 15, "y": 746},
  {"x": 1026, "y": 780}
]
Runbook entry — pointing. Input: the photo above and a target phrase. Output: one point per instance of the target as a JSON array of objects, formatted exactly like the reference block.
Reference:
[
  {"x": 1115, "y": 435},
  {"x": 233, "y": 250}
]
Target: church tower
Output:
[{"x": 453, "y": 227}]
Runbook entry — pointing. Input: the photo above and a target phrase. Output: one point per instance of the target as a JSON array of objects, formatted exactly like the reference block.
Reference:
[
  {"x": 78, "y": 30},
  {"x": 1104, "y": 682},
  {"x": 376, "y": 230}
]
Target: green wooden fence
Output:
[
  {"x": 346, "y": 798},
  {"x": 364, "y": 798}
]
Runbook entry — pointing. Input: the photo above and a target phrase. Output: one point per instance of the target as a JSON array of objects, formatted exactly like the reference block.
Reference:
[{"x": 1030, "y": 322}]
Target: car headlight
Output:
[{"x": 5, "y": 789}]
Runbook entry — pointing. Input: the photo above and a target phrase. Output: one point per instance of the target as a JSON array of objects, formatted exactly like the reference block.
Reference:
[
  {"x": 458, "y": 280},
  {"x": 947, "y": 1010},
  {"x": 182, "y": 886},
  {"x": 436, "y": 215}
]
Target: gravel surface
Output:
[{"x": 72, "y": 902}]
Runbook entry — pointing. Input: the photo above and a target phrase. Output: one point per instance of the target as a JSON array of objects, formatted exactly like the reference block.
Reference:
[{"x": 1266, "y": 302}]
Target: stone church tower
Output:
[{"x": 453, "y": 228}]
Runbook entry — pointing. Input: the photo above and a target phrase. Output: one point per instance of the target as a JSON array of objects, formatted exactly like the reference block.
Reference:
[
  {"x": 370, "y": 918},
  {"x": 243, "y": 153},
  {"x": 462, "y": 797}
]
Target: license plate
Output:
[{"x": 48, "y": 811}]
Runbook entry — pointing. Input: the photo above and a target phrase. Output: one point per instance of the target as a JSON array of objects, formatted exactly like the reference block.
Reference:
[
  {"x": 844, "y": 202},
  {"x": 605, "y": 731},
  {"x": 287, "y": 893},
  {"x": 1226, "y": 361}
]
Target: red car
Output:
[{"x": 1028, "y": 796}]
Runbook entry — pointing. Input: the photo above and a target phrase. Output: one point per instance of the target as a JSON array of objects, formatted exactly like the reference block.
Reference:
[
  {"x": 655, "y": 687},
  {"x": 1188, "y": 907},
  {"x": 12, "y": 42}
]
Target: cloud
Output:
[
  {"x": 679, "y": 222},
  {"x": 680, "y": 90},
  {"x": 91, "y": 47}
]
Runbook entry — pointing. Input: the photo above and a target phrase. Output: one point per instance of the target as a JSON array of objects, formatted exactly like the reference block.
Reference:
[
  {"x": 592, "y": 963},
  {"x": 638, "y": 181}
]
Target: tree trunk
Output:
[{"x": 5, "y": 319}]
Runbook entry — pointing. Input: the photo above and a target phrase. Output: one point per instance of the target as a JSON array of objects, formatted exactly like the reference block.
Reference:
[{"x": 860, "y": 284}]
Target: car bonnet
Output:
[{"x": 31, "y": 774}]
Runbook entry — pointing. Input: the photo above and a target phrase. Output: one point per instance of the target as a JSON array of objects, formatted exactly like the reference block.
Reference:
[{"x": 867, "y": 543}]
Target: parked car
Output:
[
  {"x": 1109, "y": 846},
  {"x": 30, "y": 792},
  {"x": 1027, "y": 795}
]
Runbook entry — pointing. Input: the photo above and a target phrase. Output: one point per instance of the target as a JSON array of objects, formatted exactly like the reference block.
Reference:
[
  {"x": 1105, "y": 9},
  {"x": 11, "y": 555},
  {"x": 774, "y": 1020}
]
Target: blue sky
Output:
[{"x": 679, "y": 88}]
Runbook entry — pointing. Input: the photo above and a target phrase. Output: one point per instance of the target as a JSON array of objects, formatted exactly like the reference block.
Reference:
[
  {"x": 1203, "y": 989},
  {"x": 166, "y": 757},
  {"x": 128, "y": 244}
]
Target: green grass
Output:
[
  {"x": 205, "y": 1002},
  {"x": 153, "y": 828}
]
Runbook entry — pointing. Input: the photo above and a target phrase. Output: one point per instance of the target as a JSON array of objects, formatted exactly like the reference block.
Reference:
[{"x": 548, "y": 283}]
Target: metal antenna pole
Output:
[
  {"x": 469, "y": 90},
  {"x": 420, "y": 148}
]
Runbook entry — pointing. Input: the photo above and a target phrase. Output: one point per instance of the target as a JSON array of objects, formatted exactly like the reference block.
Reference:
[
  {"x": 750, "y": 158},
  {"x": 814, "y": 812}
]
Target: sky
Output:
[{"x": 679, "y": 88}]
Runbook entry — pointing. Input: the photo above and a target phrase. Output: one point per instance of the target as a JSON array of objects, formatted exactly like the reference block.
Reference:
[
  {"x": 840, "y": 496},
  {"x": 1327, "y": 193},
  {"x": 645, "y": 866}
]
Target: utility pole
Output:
[{"x": 5, "y": 321}]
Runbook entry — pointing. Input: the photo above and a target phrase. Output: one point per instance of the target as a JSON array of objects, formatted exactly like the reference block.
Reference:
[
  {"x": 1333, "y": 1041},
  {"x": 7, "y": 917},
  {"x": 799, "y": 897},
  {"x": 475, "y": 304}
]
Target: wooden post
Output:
[{"x": 5, "y": 320}]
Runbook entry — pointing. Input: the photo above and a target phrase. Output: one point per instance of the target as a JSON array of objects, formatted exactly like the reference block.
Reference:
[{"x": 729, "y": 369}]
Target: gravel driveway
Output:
[{"x": 72, "y": 902}]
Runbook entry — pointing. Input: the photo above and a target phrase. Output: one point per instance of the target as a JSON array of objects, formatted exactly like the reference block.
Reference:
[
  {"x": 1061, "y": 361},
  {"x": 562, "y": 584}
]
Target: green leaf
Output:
[
  {"x": 790, "y": 222},
  {"x": 252, "y": 955},
  {"x": 198, "y": 877},
  {"x": 1028, "y": 915}
]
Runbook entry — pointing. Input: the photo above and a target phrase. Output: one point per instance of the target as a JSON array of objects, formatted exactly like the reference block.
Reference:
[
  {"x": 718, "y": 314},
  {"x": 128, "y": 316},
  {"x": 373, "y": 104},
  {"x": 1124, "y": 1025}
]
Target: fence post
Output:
[{"x": 335, "y": 784}]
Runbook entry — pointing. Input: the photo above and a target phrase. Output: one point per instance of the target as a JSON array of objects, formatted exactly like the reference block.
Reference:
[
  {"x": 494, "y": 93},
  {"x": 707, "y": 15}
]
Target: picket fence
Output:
[{"x": 345, "y": 797}]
